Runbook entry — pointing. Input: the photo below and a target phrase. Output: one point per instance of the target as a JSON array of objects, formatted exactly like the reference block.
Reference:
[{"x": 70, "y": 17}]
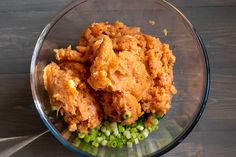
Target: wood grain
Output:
[{"x": 21, "y": 24}]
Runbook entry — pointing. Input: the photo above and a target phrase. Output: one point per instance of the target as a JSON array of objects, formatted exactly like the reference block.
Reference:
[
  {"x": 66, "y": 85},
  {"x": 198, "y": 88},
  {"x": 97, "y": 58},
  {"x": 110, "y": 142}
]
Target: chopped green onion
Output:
[
  {"x": 150, "y": 129},
  {"x": 129, "y": 144},
  {"x": 154, "y": 127},
  {"x": 95, "y": 144},
  {"x": 103, "y": 129},
  {"x": 113, "y": 126},
  {"x": 134, "y": 135},
  {"x": 104, "y": 142},
  {"x": 116, "y": 133},
  {"x": 92, "y": 137},
  {"x": 113, "y": 144},
  {"x": 127, "y": 134},
  {"x": 76, "y": 142},
  {"x": 127, "y": 128},
  {"x": 121, "y": 128},
  {"x": 145, "y": 133},
  {"x": 93, "y": 132},
  {"x": 103, "y": 136},
  {"x": 134, "y": 130},
  {"x": 84, "y": 146},
  {"x": 112, "y": 137},
  {"x": 127, "y": 115},
  {"x": 99, "y": 139},
  {"x": 81, "y": 136},
  {"x": 155, "y": 121},
  {"x": 54, "y": 108},
  {"x": 87, "y": 139},
  {"x": 107, "y": 133},
  {"x": 119, "y": 144},
  {"x": 141, "y": 137},
  {"x": 124, "y": 140},
  {"x": 136, "y": 141},
  {"x": 134, "y": 125},
  {"x": 140, "y": 127},
  {"x": 118, "y": 136}
]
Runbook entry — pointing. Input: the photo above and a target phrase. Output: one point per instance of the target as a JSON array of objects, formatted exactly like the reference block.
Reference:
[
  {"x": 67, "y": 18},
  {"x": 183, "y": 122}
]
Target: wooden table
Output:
[{"x": 20, "y": 26}]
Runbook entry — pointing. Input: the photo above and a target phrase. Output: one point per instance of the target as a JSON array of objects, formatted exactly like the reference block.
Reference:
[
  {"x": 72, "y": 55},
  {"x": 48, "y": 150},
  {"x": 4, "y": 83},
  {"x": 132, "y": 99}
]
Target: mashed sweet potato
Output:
[{"x": 115, "y": 69}]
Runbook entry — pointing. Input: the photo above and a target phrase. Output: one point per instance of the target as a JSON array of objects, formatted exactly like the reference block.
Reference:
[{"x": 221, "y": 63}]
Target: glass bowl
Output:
[{"x": 191, "y": 70}]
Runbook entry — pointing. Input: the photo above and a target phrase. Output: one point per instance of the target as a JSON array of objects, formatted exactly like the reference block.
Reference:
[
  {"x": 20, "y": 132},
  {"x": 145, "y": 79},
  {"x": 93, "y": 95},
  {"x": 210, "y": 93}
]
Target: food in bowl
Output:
[{"x": 114, "y": 86}]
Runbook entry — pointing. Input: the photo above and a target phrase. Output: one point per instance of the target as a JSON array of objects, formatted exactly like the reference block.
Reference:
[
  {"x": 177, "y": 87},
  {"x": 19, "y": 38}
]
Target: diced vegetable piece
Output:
[{"x": 127, "y": 115}]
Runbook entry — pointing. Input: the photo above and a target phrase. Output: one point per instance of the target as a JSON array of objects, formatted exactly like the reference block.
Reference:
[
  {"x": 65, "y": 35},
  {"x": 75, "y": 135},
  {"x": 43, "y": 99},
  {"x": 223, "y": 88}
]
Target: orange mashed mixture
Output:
[{"x": 115, "y": 69}]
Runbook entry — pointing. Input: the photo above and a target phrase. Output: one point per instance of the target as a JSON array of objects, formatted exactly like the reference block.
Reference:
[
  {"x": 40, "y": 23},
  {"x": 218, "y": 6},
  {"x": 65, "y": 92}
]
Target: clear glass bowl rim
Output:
[{"x": 57, "y": 134}]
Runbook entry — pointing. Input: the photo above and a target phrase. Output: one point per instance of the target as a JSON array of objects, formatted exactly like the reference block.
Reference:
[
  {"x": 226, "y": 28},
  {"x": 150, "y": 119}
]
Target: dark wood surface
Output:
[{"x": 20, "y": 25}]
